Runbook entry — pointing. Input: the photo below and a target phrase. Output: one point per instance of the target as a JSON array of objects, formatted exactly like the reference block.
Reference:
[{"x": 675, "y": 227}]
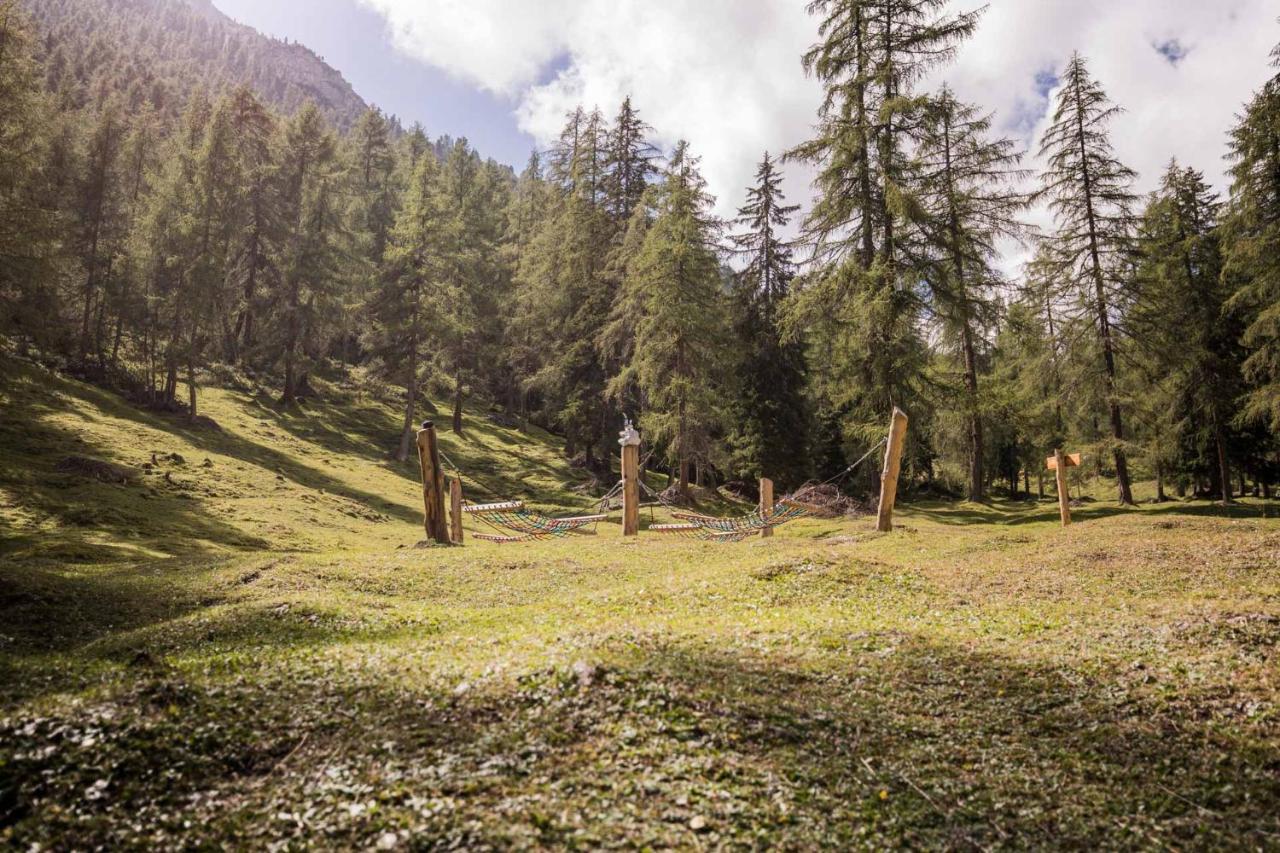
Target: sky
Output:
[{"x": 726, "y": 74}]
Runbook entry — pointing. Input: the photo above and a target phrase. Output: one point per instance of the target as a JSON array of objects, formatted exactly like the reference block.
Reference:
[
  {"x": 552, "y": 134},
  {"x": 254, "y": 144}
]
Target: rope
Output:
[{"x": 846, "y": 471}]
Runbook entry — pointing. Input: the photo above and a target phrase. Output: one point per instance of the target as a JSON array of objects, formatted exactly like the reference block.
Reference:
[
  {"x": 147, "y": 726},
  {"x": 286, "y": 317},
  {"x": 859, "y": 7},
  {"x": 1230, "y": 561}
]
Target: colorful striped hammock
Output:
[{"x": 527, "y": 524}]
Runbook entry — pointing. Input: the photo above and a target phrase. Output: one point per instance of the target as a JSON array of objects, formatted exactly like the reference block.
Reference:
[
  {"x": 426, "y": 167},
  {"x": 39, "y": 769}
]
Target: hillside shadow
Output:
[
  {"x": 893, "y": 741},
  {"x": 37, "y": 406},
  {"x": 70, "y": 516}
]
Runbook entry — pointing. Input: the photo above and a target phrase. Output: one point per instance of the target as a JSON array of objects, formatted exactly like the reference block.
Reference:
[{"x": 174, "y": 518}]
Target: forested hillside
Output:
[
  {"x": 157, "y": 52},
  {"x": 156, "y": 232}
]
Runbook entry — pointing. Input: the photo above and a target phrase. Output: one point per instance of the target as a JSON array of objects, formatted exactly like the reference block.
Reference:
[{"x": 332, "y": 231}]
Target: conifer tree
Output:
[
  {"x": 564, "y": 279},
  {"x": 860, "y": 306},
  {"x": 771, "y": 426},
  {"x": 1188, "y": 340},
  {"x": 97, "y": 220},
  {"x": 253, "y": 263},
  {"x": 311, "y": 245},
  {"x": 680, "y": 334},
  {"x": 630, "y": 164},
  {"x": 1252, "y": 246},
  {"x": 968, "y": 202},
  {"x": 406, "y": 306},
  {"x": 29, "y": 301},
  {"x": 1090, "y": 194}
]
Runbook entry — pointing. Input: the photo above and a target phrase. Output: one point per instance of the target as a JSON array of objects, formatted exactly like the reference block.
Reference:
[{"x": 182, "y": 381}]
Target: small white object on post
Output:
[{"x": 629, "y": 438}]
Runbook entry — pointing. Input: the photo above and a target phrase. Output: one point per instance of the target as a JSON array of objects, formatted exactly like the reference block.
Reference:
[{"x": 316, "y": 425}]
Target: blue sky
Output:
[{"x": 354, "y": 39}]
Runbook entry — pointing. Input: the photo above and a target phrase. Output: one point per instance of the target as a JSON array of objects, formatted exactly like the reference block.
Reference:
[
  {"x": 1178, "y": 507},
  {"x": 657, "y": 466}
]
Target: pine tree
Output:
[
  {"x": 1090, "y": 194},
  {"x": 968, "y": 202},
  {"x": 1252, "y": 246},
  {"x": 771, "y": 424},
  {"x": 680, "y": 334},
  {"x": 630, "y": 164},
  {"x": 564, "y": 283},
  {"x": 253, "y": 268},
  {"x": 1188, "y": 340},
  {"x": 860, "y": 306},
  {"x": 29, "y": 301},
  {"x": 408, "y": 302},
  {"x": 97, "y": 225},
  {"x": 311, "y": 245}
]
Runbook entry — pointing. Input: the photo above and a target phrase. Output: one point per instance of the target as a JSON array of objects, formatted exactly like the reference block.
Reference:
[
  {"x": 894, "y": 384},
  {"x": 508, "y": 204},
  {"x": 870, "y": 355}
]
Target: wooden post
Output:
[
  {"x": 1064, "y": 498},
  {"x": 892, "y": 465},
  {"x": 630, "y": 489},
  {"x": 455, "y": 510},
  {"x": 766, "y": 504},
  {"x": 433, "y": 519}
]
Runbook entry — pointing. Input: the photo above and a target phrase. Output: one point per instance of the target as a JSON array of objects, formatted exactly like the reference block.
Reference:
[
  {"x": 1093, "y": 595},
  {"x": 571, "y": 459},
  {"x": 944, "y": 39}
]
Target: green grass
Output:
[{"x": 248, "y": 660}]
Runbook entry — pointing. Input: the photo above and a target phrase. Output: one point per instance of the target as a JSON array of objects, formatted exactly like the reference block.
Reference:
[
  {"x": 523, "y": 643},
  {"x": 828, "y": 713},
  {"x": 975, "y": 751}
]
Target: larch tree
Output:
[
  {"x": 28, "y": 217},
  {"x": 311, "y": 244},
  {"x": 675, "y": 281},
  {"x": 771, "y": 429},
  {"x": 967, "y": 186},
  {"x": 1252, "y": 246},
  {"x": 1090, "y": 194},
  {"x": 1188, "y": 340},
  {"x": 254, "y": 256},
  {"x": 861, "y": 304},
  {"x": 405, "y": 309}
]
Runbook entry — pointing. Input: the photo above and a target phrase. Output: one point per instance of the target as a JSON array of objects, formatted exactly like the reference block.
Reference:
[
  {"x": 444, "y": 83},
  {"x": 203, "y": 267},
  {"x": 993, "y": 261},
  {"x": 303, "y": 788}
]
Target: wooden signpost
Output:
[
  {"x": 433, "y": 519},
  {"x": 892, "y": 465},
  {"x": 630, "y": 441},
  {"x": 766, "y": 505},
  {"x": 1059, "y": 463}
]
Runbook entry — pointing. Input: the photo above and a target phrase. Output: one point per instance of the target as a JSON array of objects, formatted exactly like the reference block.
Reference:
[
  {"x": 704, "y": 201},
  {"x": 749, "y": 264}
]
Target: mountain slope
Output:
[
  {"x": 166, "y": 49},
  {"x": 256, "y": 478}
]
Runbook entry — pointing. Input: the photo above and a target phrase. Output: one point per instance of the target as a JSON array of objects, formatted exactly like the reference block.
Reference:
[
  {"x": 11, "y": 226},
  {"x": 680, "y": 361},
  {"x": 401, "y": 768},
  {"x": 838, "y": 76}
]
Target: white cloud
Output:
[{"x": 726, "y": 74}]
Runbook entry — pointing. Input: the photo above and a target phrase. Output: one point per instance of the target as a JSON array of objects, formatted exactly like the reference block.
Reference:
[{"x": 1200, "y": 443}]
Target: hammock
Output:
[
  {"x": 512, "y": 516},
  {"x": 695, "y": 531},
  {"x": 782, "y": 512}
]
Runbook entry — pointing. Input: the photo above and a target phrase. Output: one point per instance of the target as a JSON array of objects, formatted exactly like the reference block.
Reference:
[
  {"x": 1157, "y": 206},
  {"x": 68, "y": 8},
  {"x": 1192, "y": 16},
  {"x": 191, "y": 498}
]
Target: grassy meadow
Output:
[{"x": 242, "y": 647}]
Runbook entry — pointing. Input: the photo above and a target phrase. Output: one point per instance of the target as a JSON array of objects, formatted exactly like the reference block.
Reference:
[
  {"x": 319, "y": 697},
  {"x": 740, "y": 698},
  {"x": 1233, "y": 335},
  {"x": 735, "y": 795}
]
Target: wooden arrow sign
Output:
[{"x": 1072, "y": 461}]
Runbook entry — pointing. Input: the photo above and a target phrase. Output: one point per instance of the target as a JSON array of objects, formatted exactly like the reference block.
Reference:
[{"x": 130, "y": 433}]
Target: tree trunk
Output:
[
  {"x": 191, "y": 383},
  {"x": 408, "y": 434},
  {"x": 457, "y": 406},
  {"x": 1224, "y": 471},
  {"x": 1103, "y": 317},
  {"x": 1160, "y": 498}
]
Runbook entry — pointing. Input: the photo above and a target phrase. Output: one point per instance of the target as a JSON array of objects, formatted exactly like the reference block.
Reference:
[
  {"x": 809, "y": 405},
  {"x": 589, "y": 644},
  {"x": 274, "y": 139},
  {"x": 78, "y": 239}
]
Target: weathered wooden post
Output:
[
  {"x": 455, "y": 510},
  {"x": 1064, "y": 506},
  {"x": 630, "y": 441},
  {"x": 433, "y": 519},
  {"x": 892, "y": 465},
  {"x": 766, "y": 505}
]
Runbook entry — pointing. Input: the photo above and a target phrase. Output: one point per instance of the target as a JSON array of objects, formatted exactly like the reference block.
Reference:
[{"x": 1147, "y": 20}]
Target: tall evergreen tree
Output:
[
  {"x": 1188, "y": 340},
  {"x": 771, "y": 427},
  {"x": 29, "y": 301},
  {"x": 968, "y": 203},
  {"x": 680, "y": 334},
  {"x": 254, "y": 268},
  {"x": 1090, "y": 194},
  {"x": 861, "y": 304},
  {"x": 1252, "y": 245},
  {"x": 311, "y": 246},
  {"x": 407, "y": 304},
  {"x": 630, "y": 162}
]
